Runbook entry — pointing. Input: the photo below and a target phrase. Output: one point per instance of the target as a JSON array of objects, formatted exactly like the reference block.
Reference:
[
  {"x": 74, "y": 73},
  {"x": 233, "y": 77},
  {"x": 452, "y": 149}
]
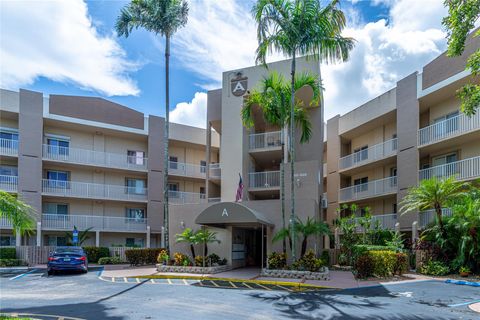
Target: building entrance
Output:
[{"x": 247, "y": 246}]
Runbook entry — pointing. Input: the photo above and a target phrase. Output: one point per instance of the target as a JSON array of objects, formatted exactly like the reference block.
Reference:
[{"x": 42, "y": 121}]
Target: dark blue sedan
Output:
[{"x": 67, "y": 258}]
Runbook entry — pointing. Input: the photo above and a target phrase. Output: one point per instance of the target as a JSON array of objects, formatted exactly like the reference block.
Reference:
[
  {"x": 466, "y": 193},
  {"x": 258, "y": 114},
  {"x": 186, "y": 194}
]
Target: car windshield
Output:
[{"x": 68, "y": 250}]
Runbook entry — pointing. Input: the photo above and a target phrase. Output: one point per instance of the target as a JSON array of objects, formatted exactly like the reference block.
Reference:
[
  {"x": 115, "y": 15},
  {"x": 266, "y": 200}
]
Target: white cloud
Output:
[
  {"x": 193, "y": 113},
  {"x": 58, "y": 40}
]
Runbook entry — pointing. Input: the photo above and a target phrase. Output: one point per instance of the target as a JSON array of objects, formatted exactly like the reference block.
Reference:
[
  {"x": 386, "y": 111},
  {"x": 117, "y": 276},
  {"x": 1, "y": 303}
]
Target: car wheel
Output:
[{"x": 50, "y": 272}]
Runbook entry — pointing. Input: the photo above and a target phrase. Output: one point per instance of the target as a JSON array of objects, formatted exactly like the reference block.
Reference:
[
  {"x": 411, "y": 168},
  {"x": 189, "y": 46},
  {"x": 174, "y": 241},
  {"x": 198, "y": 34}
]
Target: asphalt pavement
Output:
[{"x": 85, "y": 296}]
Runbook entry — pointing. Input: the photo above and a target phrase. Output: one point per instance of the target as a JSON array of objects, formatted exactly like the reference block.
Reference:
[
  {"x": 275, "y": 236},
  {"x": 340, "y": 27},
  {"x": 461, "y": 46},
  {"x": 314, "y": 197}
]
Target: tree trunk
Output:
[
  {"x": 206, "y": 249},
  {"x": 192, "y": 249},
  {"x": 292, "y": 156},
  {"x": 304, "y": 247},
  {"x": 438, "y": 210},
  {"x": 282, "y": 182},
  {"x": 166, "y": 136}
]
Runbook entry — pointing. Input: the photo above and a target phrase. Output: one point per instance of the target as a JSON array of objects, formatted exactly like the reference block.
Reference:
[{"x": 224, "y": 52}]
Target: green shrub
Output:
[
  {"x": 95, "y": 253},
  {"x": 308, "y": 262},
  {"x": 401, "y": 264},
  {"x": 213, "y": 258},
  {"x": 383, "y": 262},
  {"x": 8, "y": 253},
  {"x": 364, "y": 266},
  {"x": 222, "y": 262},
  {"x": 360, "y": 249},
  {"x": 163, "y": 257},
  {"x": 325, "y": 256},
  {"x": 434, "y": 268},
  {"x": 277, "y": 260},
  {"x": 142, "y": 256},
  {"x": 12, "y": 263},
  {"x": 181, "y": 259},
  {"x": 199, "y": 261},
  {"x": 110, "y": 260}
]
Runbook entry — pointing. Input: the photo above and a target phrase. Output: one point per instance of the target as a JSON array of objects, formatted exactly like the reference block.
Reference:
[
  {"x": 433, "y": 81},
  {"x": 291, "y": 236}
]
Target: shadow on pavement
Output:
[{"x": 92, "y": 310}]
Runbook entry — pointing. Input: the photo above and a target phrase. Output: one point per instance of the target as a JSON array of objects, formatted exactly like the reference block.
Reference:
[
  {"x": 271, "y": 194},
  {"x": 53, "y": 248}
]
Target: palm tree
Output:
[
  {"x": 206, "y": 236},
  {"x": 190, "y": 237},
  {"x": 273, "y": 99},
  {"x": 82, "y": 236},
  {"x": 162, "y": 17},
  {"x": 311, "y": 227},
  {"x": 17, "y": 212},
  {"x": 283, "y": 234},
  {"x": 432, "y": 194},
  {"x": 300, "y": 27}
]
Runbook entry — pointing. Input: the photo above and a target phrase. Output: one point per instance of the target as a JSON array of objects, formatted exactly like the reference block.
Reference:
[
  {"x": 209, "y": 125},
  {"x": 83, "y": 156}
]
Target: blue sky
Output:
[{"x": 78, "y": 52}]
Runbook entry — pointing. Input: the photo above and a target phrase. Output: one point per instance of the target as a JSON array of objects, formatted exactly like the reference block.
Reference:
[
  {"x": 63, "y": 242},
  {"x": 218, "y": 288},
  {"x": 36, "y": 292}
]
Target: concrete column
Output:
[
  {"x": 326, "y": 242},
  {"x": 207, "y": 159},
  {"x": 333, "y": 177},
  {"x": 39, "y": 234},
  {"x": 397, "y": 228},
  {"x": 162, "y": 238},
  {"x": 415, "y": 236},
  {"x": 97, "y": 238},
  {"x": 337, "y": 238},
  {"x": 18, "y": 239},
  {"x": 148, "y": 236}
]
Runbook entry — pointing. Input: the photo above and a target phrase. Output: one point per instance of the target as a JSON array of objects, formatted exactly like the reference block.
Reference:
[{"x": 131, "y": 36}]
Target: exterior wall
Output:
[
  {"x": 333, "y": 177},
  {"x": 443, "y": 108},
  {"x": 8, "y": 123},
  {"x": 156, "y": 138}
]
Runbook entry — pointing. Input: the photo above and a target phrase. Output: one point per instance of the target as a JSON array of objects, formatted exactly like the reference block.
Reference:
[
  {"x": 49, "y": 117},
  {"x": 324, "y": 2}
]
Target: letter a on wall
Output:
[{"x": 225, "y": 212}]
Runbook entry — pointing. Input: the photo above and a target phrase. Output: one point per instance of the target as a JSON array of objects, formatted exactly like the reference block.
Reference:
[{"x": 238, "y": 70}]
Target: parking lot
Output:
[{"x": 85, "y": 296}]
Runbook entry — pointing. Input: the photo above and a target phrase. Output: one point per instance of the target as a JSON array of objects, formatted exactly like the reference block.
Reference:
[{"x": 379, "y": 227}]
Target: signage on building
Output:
[
  {"x": 239, "y": 85},
  {"x": 225, "y": 212}
]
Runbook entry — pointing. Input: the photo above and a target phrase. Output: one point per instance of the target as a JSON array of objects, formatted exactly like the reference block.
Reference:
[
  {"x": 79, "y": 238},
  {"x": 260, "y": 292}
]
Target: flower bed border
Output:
[
  {"x": 196, "y": 270},
  {"x": 308, "y": 275}
]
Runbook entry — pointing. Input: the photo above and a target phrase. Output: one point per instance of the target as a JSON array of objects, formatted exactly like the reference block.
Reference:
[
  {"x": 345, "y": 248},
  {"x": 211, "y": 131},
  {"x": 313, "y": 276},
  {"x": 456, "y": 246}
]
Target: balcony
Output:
[
  {"x": 215, "y": 171},
  {"x": 5, "y": 223},
  {"x": 385, "y": 221},
  {"x": 264, "y": 180},
  {"x": 466, "y": 169},
  {"x": 375, "y": 188},
  {"x": 186, "y": 170},
  {"x": 9, "y": 183},
  {"x": 267, "y": 140},
  {"x": 8, "y": 147},
  {"x": 181, "y": 197},
  {"x": 428, "y": 216},
  {"x": 93, "y": 191},
  {"x": 97, "y": 223},
  {"x": 94, "y": 158},
  {"x": 448, "y": 128},
  {"x": 374, "y": 153}
]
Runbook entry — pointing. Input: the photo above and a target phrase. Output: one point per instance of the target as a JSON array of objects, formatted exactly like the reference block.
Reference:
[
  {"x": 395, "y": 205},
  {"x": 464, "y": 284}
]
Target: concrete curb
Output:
[{"x": 8, "y": 269}]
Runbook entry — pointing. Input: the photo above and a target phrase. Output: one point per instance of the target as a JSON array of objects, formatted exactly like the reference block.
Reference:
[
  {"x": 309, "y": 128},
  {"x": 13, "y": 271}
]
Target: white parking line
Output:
[
  {"x": 125, "y": 279},
  {"x": 22, "y": 275},
  {"x": 138, "y": 280},
  {"x": 185, "y": 281},
  {"x": 152, "y": 281},
  {"x": 169, "y": 281}
]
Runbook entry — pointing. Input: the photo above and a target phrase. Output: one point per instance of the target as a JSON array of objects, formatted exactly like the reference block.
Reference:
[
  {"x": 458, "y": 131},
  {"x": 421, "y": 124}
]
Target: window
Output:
[
  {"x": 7, "y": 241},
  {"x": 446, "y": 124},
  {"x": 58, "y": 146},
  {"x": 9, "y": 138},
  {"x": 58, "y": 179},
  {"x": 363, "y": 212},
  {"x": 395, "y": 142},
  {"x": 136, "y": 157},
  {"x": 8, "y": 174},
  {"x": 55, "y": 208},
  {"x": 135, "y": 186},
  {"x": 173, "y": 190},
  {"x": 135, "y": 214},
  {"x": 393, "y": 172},
  {"x": 445, "y": 165},
  {"x": 134, "y": 242},
  {"x": 394, "y": 208},
  {"x": 360, "y": 154},
  {"x": 202, "y": 192},
  {"x": 361, "y": 184},
  {"x": 173, "y": 164},
  {"x": 56, "y": 241},
  {"x": 203, "y": 166}
]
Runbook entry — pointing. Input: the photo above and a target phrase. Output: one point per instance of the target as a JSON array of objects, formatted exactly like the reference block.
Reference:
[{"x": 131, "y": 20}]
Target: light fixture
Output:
[
  {"x": 182, "y": 224},
  {"x": 297, "y": 182}
]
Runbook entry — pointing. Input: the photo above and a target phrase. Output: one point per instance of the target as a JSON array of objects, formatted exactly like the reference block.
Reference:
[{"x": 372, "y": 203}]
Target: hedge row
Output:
[
  {"x": 110, "y": 260},
  {"x": 12, "y": 263},
  {"x": 8, "y": 253},
  {"x": 95, "y": 253},
  {"x": 142, "y": 256},
  {"x": 381, "y": 263}
]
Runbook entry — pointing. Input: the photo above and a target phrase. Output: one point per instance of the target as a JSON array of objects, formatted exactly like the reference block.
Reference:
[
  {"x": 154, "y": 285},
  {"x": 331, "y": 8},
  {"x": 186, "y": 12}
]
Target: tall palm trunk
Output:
[
  {"x": 292, "y": 156},
  {"x": 282, "y": 181},
  {"x": 192, "y": 250},
  {"x": 166, "y": 136},
  {"x": 438, "y": 210},
  {"x": 304, "y": 246}
]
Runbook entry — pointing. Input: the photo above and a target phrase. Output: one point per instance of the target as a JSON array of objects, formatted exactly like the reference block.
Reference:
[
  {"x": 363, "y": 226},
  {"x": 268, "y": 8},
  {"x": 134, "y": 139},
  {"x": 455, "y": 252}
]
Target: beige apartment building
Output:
[
  {"x": 93, "y": 163},
  {"x": 90, "y": 163}
]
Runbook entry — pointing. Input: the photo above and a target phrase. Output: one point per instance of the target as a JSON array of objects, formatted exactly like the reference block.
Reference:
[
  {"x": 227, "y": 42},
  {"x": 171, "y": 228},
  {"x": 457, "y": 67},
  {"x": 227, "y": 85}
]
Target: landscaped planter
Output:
[
  {"x": 199, "y": 270},
  {"x": 308, "y": 275}
]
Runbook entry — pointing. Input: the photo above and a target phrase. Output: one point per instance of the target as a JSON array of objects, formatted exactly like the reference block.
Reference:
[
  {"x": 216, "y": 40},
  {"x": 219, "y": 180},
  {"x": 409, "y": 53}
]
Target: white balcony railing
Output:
[
  {"x": 5, "y": 223},
  {"x": 386, "y": 221},
  {"x": 8, "y": 183},
  {"x": 186, "y": 169},
  {"x": 215, "y": 171},
  {"x": 265, "y": 140},
  {"x": 428, "y": 216},
  {"x": 462, "y": 170},
  {"x": 8, "y": 147},
  {"x": 93, "y": 190},
  {"x": 448, "y": 128},
  {"x": 181, "y": 197},
  {"x": 94, "y": 158},
  {"x": 82, "y": 222},
  {"x": 374, "y": 153},
  {"x": 214, "y": 200},
  {"x": 266, "y": 179},
  {"x": 370, "y": 189}
]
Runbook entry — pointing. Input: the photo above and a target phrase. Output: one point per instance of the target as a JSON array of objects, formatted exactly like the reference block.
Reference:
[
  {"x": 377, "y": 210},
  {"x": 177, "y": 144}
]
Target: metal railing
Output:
[
  {"x": 369, "y": 189},
  {"x": 386, "y": 221},
  {"x": 186, "y": 169},
  {"x": 5, "y": 223},
  {"x": 215, "y": 171},
  {"x": 82, "y": 222},
  {"x": 95, "y": 158},
  {"x": 374, "y": 153},
  {"x": 8, "y": 183},
  {"x": 182, "y": 197},
  {"x": 93, "y": 190},
  {"x": 429, "y": 216},
  {"x": 265, "y": 140},
  {"x": 266, "y": 179},
  {"x": 213, "y": 200},
  {"x": 8, "y": 147},
  {"x": 462, "y": 170},
  {"x": 447, "y": 128}
]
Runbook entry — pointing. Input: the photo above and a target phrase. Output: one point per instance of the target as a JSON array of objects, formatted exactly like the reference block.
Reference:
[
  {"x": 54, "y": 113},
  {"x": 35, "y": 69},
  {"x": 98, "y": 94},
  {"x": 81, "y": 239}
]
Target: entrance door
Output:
[{"x": 247, "y": 246}]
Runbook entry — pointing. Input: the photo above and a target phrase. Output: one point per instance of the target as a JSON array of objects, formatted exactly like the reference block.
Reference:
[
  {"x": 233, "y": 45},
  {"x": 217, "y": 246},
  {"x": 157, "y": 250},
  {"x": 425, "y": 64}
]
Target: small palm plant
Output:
[
  {"x": 82, "y": 237},
  {"x": 190, "y": 237},
  {"x": 17, "y": 212},
  {"x": 311, "y": 227},
  {"x": 206, "y": 236}
]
